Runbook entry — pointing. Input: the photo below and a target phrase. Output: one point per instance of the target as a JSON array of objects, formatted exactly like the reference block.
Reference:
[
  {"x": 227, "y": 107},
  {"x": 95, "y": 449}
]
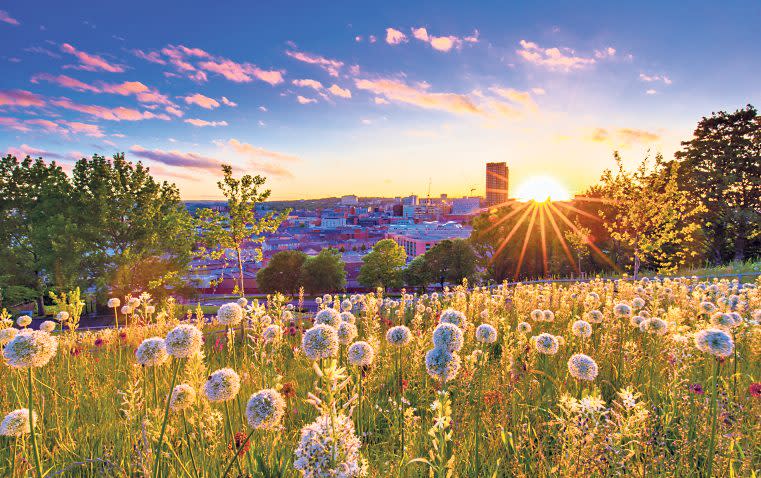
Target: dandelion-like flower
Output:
[
  {"x": 113, "y": 303},
  {"x": 319, "y": 342},
  {"x": 347, "y": 332},
  {"x": 329, "y": 316},
  {"x": 126, "y": 310},
  {"x": 448, "y": 336},
  {"x": 47, "y": 326},
  {"x": 152, "y": 352},
  {"x": 524, "y": 327},
  {"x": 222, "y": 385},
  {"x": 230, "y": 314},
  {"x": 329, "y": 448},
  {"x": 183, "y": 396},
  {"x": 16, "y": 423},
  {"x": 582, "y": 329},
  {"x": 398, "y": 336},
  {"x": 582, "y": 367},
  {"x": 33, "y": 348},
  {"x": 24, "y": 321},
  {"x": 723, "y": 321},
  {"x": 636, "y": 320},
  {"x": 272, "y": 333},
  {"x": 265, "y": 409},
  {"x": 7, "y": 334},
  {"x": 654, "y": 326},
  {"x": 715, "y": 342},
  {"x": 451, "y": 316},
  {"x": 184, "y": 341},
  {"x": 622, "y": 310},
  {"x": 361, "y": 354},
  {"x": 707, "y": 307},
  {"x": 62, "y": 316},
  {"x": 595, "y": 316},
  {"x": 548, "y": 316},
  {"x": 348, "y": 317},
  {"x": 486, "y": 333},
  {"x": 638, "y": 302},
  {"x": 546, "y": 344},
  {"x": 242, "y": 302},
  {"x": 537, "y": 315},
  {"x": 442, "y": 364},
  {"x": 346, "y": 305}
]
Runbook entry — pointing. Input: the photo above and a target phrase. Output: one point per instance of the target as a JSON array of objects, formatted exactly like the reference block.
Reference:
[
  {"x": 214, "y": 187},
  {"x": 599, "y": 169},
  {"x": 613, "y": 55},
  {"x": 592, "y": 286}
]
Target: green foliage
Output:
[
  {"x": 325, "y": 272},
  {"x": 417, "y": 273},
  {"x": 451, "y": 261},
  {"x": 283, "y": 273},
  {"x": 382, "y": 267}
]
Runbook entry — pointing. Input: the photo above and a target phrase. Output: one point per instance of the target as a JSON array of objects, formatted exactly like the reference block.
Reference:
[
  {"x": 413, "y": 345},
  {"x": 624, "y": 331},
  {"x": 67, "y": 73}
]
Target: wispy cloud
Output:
[
  {"x": 327, "y": 64},
  {"x": 655, "y": 78},
  {"x": 176, "y": 158},
  {"x": 399, "y": 91},
  {"x": 394, "y": 36},
  {"x": 623, "y": 137},
  {"x": 338, "y": 91},
  {"x": 257, "y": 157},
  {"x": 242, "y": 72},
  {"x": 203, "y": 123},
  {"x": 151, "y": 56},
  {"x": 111, "y": 114},
  {"x": 42, "y": 51},
  {"x": 202, "y": 101},
  {"x": 182, "y": 58},
  {"x": 89, "y": 61},
  {"x": 22, "y": 98},
  {"x": 64, "y": 81},
  {"x": 562, "y": 59},
  {"x": 26, "y": 150},
  {"x": 444, "y": 43},
  {"x": 4, "y": 17},
  {"x": 308, "y": 83},
  {"x": 304, "y": 100}
]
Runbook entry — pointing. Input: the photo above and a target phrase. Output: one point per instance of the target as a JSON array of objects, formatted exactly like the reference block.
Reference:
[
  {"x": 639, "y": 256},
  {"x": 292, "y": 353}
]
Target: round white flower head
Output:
[
  {"x": 222, "y": 385},
  {"x": 636, "y": 320},
  {"x": 346, "y": 305},
  {"x": 654, "y": 326},
  {"x": 47, "y": 326},
  {"x": 329, "y": 316},
  {"x": 548, "y": 315},
  {"x": 723, "y": 321},
  {"x": 361, "y": 354},
  {"x": 230, "y": 314},
  {"x": 348, "y": 317},
  {"x": 62, "y": 316},
  {"x": 152, "y": 352},
  {"x": 7, "y": 334},
  {"x": 448, "y": 336},
  {"x": 524, "y": 327},
  {"x": 183, "y": 396},
  {"x": 622, "y": 310},
  {"x": 16, "y": 423},
  {"x": 707, "y": 307},
  {"x": 242, "y": 302},
  {"x": 537, "y": 315},
  {"x": 581, "y": 328},
  {"x": 126, "y": 310},
  {"x": 272, "y": 333},
  {"x": 595, "y": 316},
  {"x": 149, "y": 309},
  {"x": 329, "y": 449},
  {"x": 318, "y": 300},
  {"x": 134, "y": 302},
  {"x": 486, "y": 333},
  {"x": 31, "y": 348},
  {"x": 442, "y": 364},
  {"x": 347, "y": 332},
  {"x": 582, "y": 367},
  {"x": 546, "y": 344},
  {"x": 24, "y": 321},
  {"x": 327, "y": 298},
  {"x": 265, "y": 409},
  {"x": 319, "y": 342},
  {"x": 113, "y": 303},
  {"x": 484, "y": 314},
  {"x": 451, "y": 316},
  {"x": 398, "y": 336},
  {"x": 184, "y": 341},
  {"x": 715, "y": 342},
  {"x": 286, "y": 316},
  {"x": 638, "y": 302}
]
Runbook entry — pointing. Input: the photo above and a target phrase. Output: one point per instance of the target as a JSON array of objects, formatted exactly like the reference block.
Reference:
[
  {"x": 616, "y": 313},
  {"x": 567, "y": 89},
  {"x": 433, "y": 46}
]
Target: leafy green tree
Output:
[
  {"x": 451, "y": 261},
  {"x": 238, "y": 227},
  {"x": 417, "y": 274},
  {"x": 283, "y": 273},
  {"x": 325, "y": 272},
  {"x": 721, "y": 166},
  {"x": 578, "y": 241},
  {"x": 382, "y": 267}
]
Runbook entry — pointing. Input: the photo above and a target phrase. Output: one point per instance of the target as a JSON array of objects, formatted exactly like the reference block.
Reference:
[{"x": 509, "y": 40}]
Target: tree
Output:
[
  {"x": 722, "y": 167},
  {"x": 650, "y": 214},
  {"x": 417, "y": 273},
  {"x": 283, "y": 273},
  {"x": 451, "y": 261},
  {"x": 382, "y": 267},
  {"x": 325, "y": 272},
  {"x": 578, "y": 240},
  {"x": 239, "y": 226}
]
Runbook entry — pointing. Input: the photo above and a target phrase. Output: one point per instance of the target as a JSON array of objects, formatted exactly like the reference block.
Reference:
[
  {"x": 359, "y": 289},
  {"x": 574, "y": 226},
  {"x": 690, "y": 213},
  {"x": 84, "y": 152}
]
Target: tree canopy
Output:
[
  {"x": 283, "y": 273},
  {"x": 383, "y": 266},
  {"x": 325, "y": 272}
]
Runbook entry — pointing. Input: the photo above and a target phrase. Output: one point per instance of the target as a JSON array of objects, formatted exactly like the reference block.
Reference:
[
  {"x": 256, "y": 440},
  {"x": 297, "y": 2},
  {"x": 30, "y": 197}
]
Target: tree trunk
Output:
[
  {"x": 740, "y": 242},
  {"x": 40, "y": 305},
  {"x": 240, "y": 271},
  {"x": 636, "y": 265}
]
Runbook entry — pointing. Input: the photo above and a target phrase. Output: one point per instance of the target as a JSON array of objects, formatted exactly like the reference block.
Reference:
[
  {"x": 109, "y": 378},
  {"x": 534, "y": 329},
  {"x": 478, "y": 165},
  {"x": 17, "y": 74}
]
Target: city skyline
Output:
[{"x": 384, "y": 100}]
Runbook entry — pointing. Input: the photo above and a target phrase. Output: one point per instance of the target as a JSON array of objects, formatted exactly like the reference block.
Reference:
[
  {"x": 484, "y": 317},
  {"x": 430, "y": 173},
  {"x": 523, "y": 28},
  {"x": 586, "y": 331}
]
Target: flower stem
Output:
[
  {"x": 712, "y": 441},
  {"x": 157, "y": 457},
  {"x": 36, "y": 451}
]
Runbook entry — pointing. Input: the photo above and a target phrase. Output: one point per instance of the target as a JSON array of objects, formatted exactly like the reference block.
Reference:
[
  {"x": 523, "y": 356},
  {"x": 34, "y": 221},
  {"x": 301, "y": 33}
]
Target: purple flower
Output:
[{"x": 697, "y": 389}]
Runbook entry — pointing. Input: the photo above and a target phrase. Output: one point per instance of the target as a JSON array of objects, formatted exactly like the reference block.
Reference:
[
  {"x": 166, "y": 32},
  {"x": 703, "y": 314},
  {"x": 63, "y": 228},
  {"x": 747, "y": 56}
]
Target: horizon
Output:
[{"x": 383, "y": 99}]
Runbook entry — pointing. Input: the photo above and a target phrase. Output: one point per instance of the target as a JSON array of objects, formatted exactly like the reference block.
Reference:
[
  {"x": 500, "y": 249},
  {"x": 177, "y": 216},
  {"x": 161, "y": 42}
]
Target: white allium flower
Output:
[
  {"x": 638, "y": 302},
  {"x": 48, "y": 326},
  {"x": 24, "y": 321},
  {"x": 707, "y": 307},
  {"x": 347, "y": 332},
  {"x": 113, "y": 303},
  {"x": 654, "y": 326},
  {"x": 183, "y": 396},
  {"x": 30, "y": 348},
  {"x": 581, "y": 328},
  {"x": 62, "y": 316},
  {"x": 451, "y": 316},
  {"x": 16, "y": 423},
  {"x": 524, "y": 327},
  {"x": 346, "y": 305},
  {"x": 134, "y": 302},
  {"x": 230, "y": 314},
  {"x": 329, "y": 316},
  {"x": 537, "y": 315},
  {"x": 398, "y": 336},
  {"x": 126, "y": 310},
  {"x": 715, "y": 341},
  {"x": 152, "y": 352},
  {"x": 286, "y": 316},
  {"x": 622, "y": 310},
  {"x": 242, "y": 302},
  {"x": 272, "y": 333},
  {"x": 595, "y": 316},
  {"x": 636, "y": 320},
  {"x": 361, "y": 354},
  {"x": 582, "y": 367},
  {"x": 222, "y": 385},
  {"x": 549, "y": 316},
  {"x": 348, "y": 317},
  {"x": 486, "y": 333},
  {"x": 149, "y": 309},
  {"x": 318, "y": 300},
  {"x": 320, "y": 342},
  {"x": 265, "y": 409},
  {"x": 442, "y": 364},
  {"x": 184, "y": 341},
  {"x": 448, "y": 336},
  {"x": 7, "y": 334},
  {"x": 723, "y": 321},
  {"x": 546, "y": 344},
  {"x": 329, "y": 448}
]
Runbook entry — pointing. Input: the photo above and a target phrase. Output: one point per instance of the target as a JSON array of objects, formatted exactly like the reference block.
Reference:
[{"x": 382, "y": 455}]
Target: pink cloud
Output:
[
  {"x": 396, "y": 90},
  {"x": 202, "y": 101},
  {"x": 258, "y": 157},
  {"x": 241, "y": 72},
  {"x": 26, "y": 150},
  {"x": 4, "y": 17},
  {"x": 21, "y": 98},
  {"x": 175, "y": 111},
  {"x": 14, "y": 124},
  {"x": 110, "y": 114},
  {"x": 47, "y": 125},
  {"x": 143, "y": 93},
  {"x": 327, "y": 64},
  {"x": 65, "y": 81},
  {"x": 151, "y": 56},
  {"x": 443, "y": 43},
  {"x": 304, "y": 100},
  {"x": 314, "y": 84},
  {"x": 394, "y": 36},
  {"x": 91, "y": 62},
  {"x": 516, "y": 96},
  {"x": 176, "y": 158},
  {"x": 420, "y": 33},
  {"x": 203, "y": 123},
  {"x": 654, "y": 78},
  {"x": 564, "y": 59},
  {"x": 338, "y": 91},
  {"x": 84, "y": 128},
  {"x": 229, "y": 103}
]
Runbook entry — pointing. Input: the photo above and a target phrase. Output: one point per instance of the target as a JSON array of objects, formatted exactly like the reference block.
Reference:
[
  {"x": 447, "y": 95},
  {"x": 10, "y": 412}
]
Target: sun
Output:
[{"x": 542, "y": 189}]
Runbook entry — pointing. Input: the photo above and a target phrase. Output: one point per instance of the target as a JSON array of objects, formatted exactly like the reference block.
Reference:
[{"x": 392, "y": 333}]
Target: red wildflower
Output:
[
  {"x": 242, "y": 444},
  {"x": 697, "y": 389},
  {"x": 755, "y": 389}
]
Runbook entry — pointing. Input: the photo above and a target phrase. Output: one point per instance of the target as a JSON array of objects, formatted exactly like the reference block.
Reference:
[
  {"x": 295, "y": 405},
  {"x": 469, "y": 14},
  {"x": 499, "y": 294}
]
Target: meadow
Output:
[{"x": 648, "y": 378}]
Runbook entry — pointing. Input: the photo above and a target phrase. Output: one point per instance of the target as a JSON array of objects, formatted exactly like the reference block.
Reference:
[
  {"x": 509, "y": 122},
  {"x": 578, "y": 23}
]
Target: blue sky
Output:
[{"x": 376, "y": 99}]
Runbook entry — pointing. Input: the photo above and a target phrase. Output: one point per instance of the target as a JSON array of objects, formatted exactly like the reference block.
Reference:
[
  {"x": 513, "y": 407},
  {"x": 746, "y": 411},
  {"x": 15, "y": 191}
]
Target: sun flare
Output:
[{"x": 542, "y": 189}]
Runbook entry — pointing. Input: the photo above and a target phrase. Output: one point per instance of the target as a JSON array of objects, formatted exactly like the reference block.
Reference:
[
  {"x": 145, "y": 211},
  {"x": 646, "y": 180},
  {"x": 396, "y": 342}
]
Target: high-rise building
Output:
[{"x": 496, "y": 183}]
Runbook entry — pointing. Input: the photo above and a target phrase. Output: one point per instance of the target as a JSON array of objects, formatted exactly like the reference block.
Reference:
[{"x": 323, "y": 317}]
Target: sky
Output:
[{"x": 370, "y": 98}]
